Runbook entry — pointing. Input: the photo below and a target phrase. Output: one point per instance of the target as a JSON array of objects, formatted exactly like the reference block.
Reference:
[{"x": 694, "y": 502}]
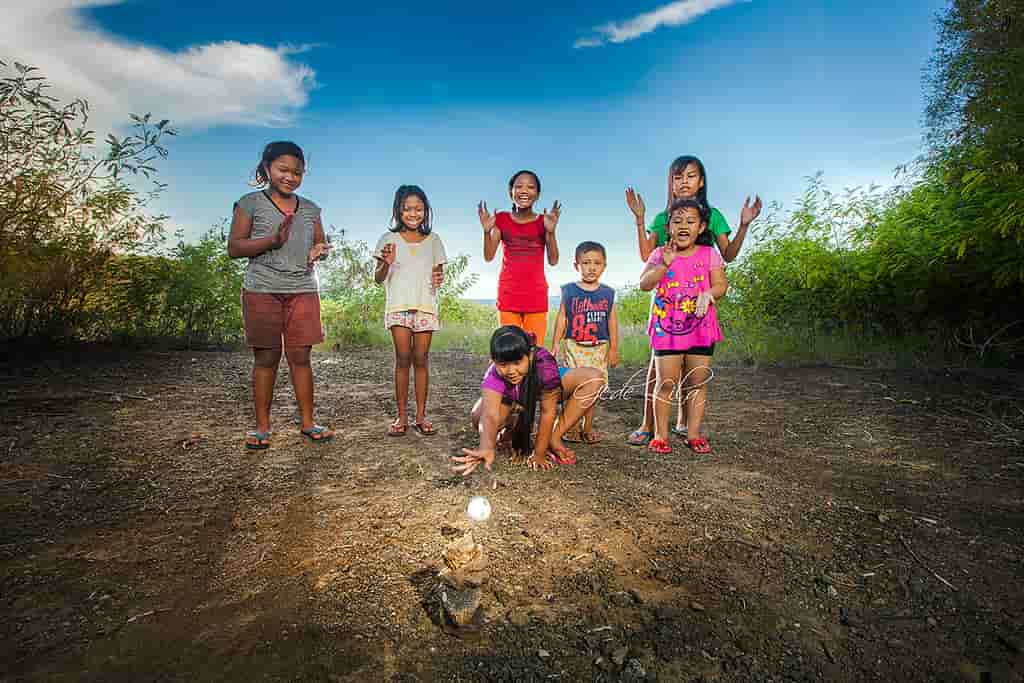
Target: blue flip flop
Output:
[
  {"x": 639, "y": 438},
  {"x": 316, "y": 434},
  {"x": 259, "y": 436}
]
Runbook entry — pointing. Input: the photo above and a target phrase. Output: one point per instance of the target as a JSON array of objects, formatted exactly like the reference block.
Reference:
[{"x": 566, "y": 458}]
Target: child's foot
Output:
[
  {"x": 572, "y": 436},
  {"x": 537, "y": 463},
  {"x": 561, "y": 455},
  {"x": 639, "y": 438},
  {"x": 504, "y": 439},
  {"x": 699, "y": 446},
  {"x": 591, "y": 437},
  {"x": 257, "y": 441},
  {"x": 660, "y": 446},
  {"x": 681, "y": 430},
  {"x": 424, "y": 427},
  {"x": 398, "y": 427},
  {"x": 318, "y": 433}
]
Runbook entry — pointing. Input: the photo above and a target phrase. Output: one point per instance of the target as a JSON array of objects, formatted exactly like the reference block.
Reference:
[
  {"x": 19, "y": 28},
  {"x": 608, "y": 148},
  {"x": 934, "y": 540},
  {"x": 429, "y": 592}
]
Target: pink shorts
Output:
[
  {"x": 271, "y": 318},
  {"x": 417, "y": 321}
]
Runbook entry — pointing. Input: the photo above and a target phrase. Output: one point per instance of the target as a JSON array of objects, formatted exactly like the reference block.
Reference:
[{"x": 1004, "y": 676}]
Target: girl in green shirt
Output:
[{"x": 686, "y": 179}]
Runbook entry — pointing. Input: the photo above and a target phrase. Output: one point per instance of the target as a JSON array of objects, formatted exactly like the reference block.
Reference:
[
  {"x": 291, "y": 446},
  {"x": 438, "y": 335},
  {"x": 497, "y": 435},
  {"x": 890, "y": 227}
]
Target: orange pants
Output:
[{"x": 534, "y": 323}]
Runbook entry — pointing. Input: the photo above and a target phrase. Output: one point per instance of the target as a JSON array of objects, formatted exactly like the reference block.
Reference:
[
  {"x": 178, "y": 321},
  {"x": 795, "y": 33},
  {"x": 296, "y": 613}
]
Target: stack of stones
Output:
[{"x": 462, "y": 578}]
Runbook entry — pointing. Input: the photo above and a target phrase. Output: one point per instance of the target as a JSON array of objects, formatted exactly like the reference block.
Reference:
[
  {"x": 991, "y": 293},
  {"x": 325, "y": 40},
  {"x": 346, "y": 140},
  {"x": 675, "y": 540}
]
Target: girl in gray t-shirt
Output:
[{"x": 282, "y": 236}]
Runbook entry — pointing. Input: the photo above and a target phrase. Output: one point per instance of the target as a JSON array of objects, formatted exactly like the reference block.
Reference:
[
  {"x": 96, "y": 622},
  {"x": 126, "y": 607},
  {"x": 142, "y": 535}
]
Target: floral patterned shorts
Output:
[
  {"x": 574, "y": 355},
  {"x": 417, "y": 321}
]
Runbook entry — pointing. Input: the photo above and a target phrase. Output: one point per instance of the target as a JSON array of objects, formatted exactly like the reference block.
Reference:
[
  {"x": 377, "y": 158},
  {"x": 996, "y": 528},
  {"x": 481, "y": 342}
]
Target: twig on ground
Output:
[
  {"x": 119, "y": 394},
  {"x": 921, "y": 562}
]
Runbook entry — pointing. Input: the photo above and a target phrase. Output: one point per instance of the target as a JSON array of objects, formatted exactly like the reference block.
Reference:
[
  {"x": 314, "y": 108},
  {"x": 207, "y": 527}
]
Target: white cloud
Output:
[
  {"x": 676, "y": 13},
  {"x": 225, "y": 82}
]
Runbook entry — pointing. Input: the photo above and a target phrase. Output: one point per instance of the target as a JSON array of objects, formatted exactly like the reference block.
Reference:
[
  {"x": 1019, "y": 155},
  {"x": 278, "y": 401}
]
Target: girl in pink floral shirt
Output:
[{"x": 687, "y": 276}]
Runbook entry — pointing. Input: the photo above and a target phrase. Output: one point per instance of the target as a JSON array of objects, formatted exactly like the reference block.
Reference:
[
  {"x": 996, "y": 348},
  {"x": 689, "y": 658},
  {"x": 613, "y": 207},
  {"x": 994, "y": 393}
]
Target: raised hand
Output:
[
  {"x": 750, "y": 212},
  {"x": 387, "y": 254},
  {"x": 283, "y": 231},
  {"x": 704, "y": 301},
  {"x": 437, "y": 278},
  {"x": 473, "y": 459},
  {"x": 487, "y": 219},
  {"x": 636, "y": 204},
  {"x": 551, "y": 217}
]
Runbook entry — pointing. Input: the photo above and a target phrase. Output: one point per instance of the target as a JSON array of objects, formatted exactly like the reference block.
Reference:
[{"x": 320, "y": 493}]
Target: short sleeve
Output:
[
  {"x": 379, "y": 247},
  {"x": 547, "y": 370},
  {"x": 247, "y": 204},
  {"x": 610, "y": 293},
  {"x": 656, "y": 257},
  {"x": 493, "y": 381},
  {"x": 717, "y": 224},
  {"x": 658, "y": 228},
  {"x": 715, "y": 261},
  {"x": 440, "y": 256}
]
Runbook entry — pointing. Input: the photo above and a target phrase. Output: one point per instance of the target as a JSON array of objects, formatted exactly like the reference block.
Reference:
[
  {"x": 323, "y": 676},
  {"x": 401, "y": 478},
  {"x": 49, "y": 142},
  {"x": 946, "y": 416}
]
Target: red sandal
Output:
[
  {"x": 562, "y": 456},
  {"x": 699, "y": 446},
  {"x": 659, "y": 446}
]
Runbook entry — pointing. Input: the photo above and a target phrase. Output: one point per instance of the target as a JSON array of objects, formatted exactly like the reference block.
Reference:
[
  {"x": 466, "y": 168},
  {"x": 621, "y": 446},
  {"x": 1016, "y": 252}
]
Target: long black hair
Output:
[
  {"x": 401, "y": 194},
  {"x": 272, "y": 151},
  {"x": 704, "y": 238},
  {"x": 677, "y": 167},
  {"x": 510, "y": 344}
]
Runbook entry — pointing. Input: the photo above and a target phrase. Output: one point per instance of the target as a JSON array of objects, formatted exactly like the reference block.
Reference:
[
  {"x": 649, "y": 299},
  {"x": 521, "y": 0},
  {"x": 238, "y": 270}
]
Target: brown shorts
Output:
[{"x": 269, "y": 318}]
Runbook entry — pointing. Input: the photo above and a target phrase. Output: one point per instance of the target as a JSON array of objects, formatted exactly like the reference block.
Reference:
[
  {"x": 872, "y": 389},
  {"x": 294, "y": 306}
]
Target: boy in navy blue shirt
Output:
[{"x": 587, "y": 328}]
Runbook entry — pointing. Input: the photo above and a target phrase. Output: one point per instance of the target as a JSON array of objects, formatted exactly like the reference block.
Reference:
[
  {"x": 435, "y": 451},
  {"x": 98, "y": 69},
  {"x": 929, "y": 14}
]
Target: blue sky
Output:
[{"x": 455, "y": 96}]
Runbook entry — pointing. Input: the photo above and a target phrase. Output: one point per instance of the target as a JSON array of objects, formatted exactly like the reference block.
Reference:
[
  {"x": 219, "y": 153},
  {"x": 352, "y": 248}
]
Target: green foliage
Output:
[
  {"x": 66, "y": 209},
  {"x": 634, "y": 306},
  {"x": 976, "y": 79},
  {"x": 190, "y": 297}
]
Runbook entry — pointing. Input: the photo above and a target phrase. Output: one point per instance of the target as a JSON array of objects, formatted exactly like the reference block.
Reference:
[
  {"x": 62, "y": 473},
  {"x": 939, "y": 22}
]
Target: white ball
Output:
[{"x": 479, "y": 509}]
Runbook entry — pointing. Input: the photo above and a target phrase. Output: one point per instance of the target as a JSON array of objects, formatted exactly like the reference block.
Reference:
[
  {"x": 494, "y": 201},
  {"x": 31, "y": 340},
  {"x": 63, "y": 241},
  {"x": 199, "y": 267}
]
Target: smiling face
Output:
[
  {"x": 590, "y": 266},
  {"x": 513, "y": 371},
  {"x": 684, "y": 226},
  {"x": 524, "y": 192},
  {"x": 687, "y": 182},
  {"x": 285, "y": 173},
  {"x": 413, "y": 211}
]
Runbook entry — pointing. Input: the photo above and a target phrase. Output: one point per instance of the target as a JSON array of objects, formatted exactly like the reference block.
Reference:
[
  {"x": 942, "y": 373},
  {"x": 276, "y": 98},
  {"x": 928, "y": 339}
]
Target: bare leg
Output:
[
  {"x": 698, "y": 374},
  {"x": 581, "y": 388},
  {"x": 420, "y": 352},
  {"x": 302, "y": 381},
  {"x": 264, "y": 375},
  {"x": 402, "y": 338},
  {"x": 669, "y": 369},
  {"x": 649, "y": 392}
]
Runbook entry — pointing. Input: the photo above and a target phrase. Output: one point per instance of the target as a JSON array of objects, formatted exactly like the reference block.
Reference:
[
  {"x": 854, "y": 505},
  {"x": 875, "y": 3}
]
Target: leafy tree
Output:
[
  {"x": 65, "y": 208},
  {"x": 976, "y": 79}
]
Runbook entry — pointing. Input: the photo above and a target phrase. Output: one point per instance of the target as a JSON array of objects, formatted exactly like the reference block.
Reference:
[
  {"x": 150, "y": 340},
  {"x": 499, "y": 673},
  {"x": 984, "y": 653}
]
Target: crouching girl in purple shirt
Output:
[{"x": 520, "y": 375}]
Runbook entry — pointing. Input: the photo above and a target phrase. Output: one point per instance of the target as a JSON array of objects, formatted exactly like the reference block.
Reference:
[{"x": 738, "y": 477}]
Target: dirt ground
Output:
[{"x": 852, "y": 525}]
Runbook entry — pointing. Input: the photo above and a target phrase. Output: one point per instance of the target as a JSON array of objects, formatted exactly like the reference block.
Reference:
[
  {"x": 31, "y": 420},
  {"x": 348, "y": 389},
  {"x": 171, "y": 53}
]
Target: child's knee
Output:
[
  {"x": 403, "y": 359},
  {"x": 266, "y": 358},
  {"x": 419, "y": 359},
  {"x": 298, "y": 356}
]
